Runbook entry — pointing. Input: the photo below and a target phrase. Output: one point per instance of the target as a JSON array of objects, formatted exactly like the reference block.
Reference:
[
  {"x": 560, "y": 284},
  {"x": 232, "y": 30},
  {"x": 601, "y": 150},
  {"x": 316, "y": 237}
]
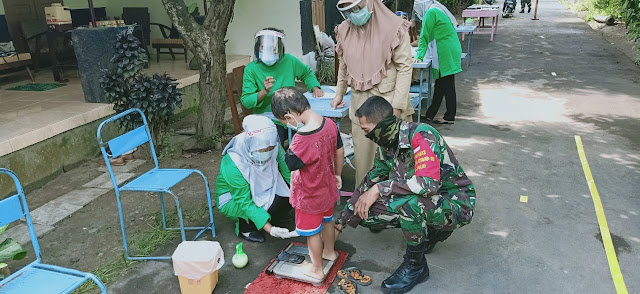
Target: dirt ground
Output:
[
  {"x": 616, "y": 35},
  {"x": 514, "y": 136},
  {"x": 91, "y": 238}
]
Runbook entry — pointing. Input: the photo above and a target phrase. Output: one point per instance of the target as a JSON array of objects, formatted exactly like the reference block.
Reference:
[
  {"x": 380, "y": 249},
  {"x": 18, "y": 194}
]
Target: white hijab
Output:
[
  {"x": 420, "y": 7},
  {"x": 265, "y": 181}
]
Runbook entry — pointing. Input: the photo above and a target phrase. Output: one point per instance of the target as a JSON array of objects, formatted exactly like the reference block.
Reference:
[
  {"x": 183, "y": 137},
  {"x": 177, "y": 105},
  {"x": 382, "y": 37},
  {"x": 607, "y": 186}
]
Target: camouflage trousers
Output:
[
  {"x": 406, "y": 213},
  {"x": 525, "y": 2}
]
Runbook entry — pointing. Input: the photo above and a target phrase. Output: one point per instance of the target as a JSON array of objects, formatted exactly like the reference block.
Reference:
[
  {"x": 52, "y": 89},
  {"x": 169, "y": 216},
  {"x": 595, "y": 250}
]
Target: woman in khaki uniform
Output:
[{"x": 375, "y": 59}]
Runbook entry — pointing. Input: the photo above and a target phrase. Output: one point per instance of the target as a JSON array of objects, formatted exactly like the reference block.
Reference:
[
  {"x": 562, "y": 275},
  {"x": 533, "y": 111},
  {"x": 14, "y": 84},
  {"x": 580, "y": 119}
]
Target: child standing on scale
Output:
[{"x": 315, "y": 158}]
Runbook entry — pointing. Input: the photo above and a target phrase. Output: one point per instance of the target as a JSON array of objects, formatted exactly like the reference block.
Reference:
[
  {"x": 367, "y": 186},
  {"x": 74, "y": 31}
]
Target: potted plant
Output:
[
  {"x": 127, "y": 87},
  {"x": 9, "y": 249}
]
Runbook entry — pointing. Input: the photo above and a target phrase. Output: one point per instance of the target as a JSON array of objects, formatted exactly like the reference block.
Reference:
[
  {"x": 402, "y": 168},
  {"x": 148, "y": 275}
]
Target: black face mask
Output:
[{"x": 386, "y": 132}]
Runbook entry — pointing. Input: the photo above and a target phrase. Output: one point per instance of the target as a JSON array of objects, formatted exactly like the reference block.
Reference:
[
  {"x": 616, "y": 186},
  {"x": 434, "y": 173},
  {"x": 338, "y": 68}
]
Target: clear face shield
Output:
[
  {"x": 270, "y": 46},
  {"x": 354, "y": 7},
  {"x": 262, "y": 144}
]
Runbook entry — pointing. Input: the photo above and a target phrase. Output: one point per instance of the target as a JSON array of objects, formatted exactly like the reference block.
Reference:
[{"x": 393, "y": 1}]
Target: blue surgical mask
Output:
[
  {"x": 361, "y": 17},
  {"x": 261, "y": 157},
  {"x": 268, "y": 59},
  {"x": 298, "y": 126}
]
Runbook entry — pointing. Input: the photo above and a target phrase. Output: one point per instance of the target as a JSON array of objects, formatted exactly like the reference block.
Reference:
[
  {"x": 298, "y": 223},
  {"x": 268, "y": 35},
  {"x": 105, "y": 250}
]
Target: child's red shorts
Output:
[{"x": 311, "y": 224}]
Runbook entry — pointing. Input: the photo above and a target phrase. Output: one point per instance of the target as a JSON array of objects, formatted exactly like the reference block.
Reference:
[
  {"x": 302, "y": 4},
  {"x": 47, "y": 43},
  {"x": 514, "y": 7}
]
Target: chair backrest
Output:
[
  {"x": 140, "y": 16},
  {"x": 233, "y": 81},
  {"x": 127, "y": 141},
  {"x": 15, "y": 207}
]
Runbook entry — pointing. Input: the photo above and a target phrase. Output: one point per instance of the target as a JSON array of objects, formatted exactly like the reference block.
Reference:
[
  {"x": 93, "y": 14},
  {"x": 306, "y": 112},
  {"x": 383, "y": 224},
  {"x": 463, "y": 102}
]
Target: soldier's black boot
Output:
[
  {"x": 434, "y": 236},
  {"x": 522, "y": 11},
  {"x": 413, "y": 270}
]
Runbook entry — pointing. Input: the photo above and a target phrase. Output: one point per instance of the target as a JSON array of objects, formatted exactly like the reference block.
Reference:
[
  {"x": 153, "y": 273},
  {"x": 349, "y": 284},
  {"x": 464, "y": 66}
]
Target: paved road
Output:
[{"x": 522, "y": 101}]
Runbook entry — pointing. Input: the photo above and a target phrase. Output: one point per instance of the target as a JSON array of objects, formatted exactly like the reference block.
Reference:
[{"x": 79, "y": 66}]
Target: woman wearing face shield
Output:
[
  {"x": 439, "y": 37},
  {"x": 252, "y": 187},
  {"x": 375, "y": 60},
  {"x": 271, "y": 70}
]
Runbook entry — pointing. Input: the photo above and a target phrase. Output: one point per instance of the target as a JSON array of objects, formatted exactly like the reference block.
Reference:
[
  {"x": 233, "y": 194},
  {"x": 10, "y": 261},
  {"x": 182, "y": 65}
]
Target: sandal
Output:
[
  {"x": 347, "y": 287},
  {"x": 356, "y": 275}
]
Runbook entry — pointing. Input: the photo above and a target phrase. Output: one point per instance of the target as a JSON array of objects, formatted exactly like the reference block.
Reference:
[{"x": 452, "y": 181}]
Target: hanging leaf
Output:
[{"x": 10, "y": 249}]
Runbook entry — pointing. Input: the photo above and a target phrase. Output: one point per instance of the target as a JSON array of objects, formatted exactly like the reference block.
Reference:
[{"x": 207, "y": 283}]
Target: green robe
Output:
[
  {"x": 241, "y": 205},
  {"x": 437, "y": 26},
  {"x": 285, "y": 72}
]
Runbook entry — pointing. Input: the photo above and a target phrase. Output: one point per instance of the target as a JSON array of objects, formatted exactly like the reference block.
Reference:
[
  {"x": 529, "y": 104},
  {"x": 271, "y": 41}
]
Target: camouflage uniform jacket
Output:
[{"x": 423, "y": 165}]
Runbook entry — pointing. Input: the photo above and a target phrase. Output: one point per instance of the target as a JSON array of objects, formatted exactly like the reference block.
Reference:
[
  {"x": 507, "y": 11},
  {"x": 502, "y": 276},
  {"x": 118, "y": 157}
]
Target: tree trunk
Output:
[
  {"x": 212, "y": 92},
  {"x": 206, "y": 42}
]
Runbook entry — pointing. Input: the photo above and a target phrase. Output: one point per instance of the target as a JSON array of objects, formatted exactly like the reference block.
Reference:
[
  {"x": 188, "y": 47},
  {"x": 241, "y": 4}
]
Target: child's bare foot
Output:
[
  {"x": 311, "y": 271},
  {"x": 329, "y": 255}
]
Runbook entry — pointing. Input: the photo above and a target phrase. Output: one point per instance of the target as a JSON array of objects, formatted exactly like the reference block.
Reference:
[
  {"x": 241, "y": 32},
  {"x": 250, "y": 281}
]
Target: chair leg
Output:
[
  {"x": 29, "y": 72},
  {"x": 172, "y": 54},
  {"x": 99, "y": 283},
  {"x": 209, "y": 202},
  {"x": 125, "y": 242},
  {"x": 185, "y": 55},
  {"x": 157, "y": 55},
  {"x": 122, "y": 227},
  {"x": 164, "y": 217},
  {"x": 179, "y": 215}
]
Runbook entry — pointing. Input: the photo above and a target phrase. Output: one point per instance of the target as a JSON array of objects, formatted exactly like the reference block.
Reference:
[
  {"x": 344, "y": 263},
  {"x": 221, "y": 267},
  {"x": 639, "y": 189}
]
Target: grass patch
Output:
[
  {"x": 326, "y": 72},
  {"x": 144, "y": 243}
]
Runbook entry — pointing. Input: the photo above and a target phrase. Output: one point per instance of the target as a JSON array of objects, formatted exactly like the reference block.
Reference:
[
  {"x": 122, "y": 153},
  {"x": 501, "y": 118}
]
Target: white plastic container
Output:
[
  {"x": 57, "y": 14},
  {"x": 196, "y": 263}
]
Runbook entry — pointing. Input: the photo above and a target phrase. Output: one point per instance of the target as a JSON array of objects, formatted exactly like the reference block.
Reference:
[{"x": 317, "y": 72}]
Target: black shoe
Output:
[
  {"x": 529, "y": 11},
  {"x": 429, "y": 246},
  {"x": 375, "y": 230},
  {"x": 413, "y": 270},
  {"x": 433, "y": 237},
  {"x": 255, "y": 236},
  {"x": 522, "y": 11}
]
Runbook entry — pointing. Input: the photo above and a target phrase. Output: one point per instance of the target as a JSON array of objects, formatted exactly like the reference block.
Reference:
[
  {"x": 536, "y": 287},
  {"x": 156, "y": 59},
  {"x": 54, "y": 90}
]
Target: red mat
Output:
[{"x": 270, "y": 284}]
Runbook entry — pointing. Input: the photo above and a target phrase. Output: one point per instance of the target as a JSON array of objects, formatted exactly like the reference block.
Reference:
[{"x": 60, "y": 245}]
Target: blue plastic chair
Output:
[
  {"x": 36, "y": 277},
  {"x": 157, "y": 179}
]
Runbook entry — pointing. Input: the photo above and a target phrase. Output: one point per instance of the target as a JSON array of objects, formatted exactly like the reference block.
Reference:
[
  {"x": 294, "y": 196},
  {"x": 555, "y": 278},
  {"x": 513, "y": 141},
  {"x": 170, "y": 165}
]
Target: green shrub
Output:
[{"x": 127, "y": 87}]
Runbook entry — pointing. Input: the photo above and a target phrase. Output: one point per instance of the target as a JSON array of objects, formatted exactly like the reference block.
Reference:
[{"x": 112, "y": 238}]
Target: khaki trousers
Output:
[{"x": 365, "y": 149}]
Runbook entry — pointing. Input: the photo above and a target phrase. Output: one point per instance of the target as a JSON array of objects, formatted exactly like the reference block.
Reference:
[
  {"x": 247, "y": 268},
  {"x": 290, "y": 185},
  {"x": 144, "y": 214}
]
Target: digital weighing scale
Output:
[{"x": 287, "y": 270}]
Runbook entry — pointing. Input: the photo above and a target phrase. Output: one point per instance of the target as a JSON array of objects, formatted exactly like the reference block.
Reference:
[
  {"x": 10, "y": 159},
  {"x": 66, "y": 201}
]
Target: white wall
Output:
[
  {"x": 84, "y": 4},
  {"x": 251, "y": 16}
]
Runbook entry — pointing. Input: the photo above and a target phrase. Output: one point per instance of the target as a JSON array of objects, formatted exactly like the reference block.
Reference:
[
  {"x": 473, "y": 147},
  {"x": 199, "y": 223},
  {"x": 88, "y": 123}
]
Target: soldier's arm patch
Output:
[{"x": 427, "y": 164}]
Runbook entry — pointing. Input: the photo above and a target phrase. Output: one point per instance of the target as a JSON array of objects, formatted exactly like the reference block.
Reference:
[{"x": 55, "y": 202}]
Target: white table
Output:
[
  {"x": 416, "y": 101},
  {"x": 467, "y": 29},
  {"x": 484, "y": 6}
]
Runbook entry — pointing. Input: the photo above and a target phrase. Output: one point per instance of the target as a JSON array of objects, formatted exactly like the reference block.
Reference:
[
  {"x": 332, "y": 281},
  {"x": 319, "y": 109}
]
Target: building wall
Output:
[
  {"x": 157, "y": 13},
  {"x": 1, "y": 8},
  {"x": 84, "y": 4},
  {"x": 251, "y": 16}
]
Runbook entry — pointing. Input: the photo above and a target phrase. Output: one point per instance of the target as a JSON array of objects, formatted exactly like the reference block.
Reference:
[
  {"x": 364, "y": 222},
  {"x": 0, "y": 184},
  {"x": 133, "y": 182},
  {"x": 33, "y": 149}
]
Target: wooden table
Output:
[{"x": 482, "y": 13}]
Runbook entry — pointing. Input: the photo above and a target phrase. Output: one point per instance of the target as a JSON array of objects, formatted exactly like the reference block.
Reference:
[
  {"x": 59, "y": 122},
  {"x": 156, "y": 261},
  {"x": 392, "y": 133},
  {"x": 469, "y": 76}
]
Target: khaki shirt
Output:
[{"x": 394, "y": 86}]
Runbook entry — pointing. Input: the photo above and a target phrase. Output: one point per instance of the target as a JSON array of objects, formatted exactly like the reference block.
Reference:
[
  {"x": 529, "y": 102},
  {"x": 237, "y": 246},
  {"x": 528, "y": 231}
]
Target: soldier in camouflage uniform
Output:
[
  {"x": 523, "y": 3},
  {"x": 416, "y": 184}
]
